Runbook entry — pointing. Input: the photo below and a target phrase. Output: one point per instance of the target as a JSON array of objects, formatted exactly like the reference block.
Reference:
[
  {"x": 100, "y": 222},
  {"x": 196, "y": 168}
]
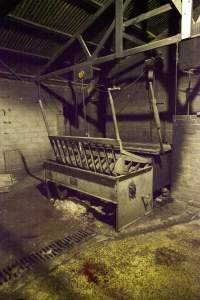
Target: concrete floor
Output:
[{"x": 28, "y": 222}]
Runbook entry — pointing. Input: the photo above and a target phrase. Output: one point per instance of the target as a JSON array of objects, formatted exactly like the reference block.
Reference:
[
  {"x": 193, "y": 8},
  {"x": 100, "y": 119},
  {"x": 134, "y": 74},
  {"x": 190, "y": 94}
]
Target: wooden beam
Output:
[
  {"x": 119, "y": 28},
  {"x": 91, "y": 20},
  {"x": 149, "y": 14}
]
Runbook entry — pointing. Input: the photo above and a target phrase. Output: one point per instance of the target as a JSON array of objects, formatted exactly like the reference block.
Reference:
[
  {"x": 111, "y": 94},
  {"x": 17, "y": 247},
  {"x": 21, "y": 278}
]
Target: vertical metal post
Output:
[
  {"x": 186, "y": 20},
  {"x": 119, "y": 27},
  {"x": 156, "y": 115},
  {"x": 115, "y": 119},
  {"x": 44, "y": 116}
]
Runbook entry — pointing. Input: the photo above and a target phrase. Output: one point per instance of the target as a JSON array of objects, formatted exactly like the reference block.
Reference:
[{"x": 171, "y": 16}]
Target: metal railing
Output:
[{"x": 94, "y": 154}]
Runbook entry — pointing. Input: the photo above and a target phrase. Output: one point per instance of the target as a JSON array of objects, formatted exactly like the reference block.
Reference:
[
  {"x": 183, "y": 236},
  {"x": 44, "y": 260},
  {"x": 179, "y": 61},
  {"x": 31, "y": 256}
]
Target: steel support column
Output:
[{"x": 119, "y": 28}]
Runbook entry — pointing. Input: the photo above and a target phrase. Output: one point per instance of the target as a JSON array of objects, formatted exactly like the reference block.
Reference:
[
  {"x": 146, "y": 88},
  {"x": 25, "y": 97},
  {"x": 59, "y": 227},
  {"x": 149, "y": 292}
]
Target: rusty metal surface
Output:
[{"x": 111, "y": 189}]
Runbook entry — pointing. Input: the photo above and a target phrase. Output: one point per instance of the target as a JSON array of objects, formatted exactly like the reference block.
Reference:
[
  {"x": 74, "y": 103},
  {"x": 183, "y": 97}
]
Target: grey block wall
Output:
[
  {"x": 186, "y": 159},
  {"x": 24, "y": 141},
  {"x": 23, "y": 136}
]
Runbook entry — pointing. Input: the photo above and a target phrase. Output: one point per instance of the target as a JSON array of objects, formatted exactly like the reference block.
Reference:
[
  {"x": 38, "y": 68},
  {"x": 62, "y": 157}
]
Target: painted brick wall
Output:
[
  {"x": 186, "y": 159},
  {"x": 132, "y": 104},
  {"x": 134, "y": 114},
  {"x": 23, "y": 135}
]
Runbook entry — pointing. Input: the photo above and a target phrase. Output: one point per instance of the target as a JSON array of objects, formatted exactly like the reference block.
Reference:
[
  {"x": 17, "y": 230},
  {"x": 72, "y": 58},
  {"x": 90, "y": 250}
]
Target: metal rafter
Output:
[
  {"x": 93, "y": 3},
  {"x": 149, "y": 14},
  {"x": 110, "y": 57},
  {"x": 186, "y": 20},
  {"x": 104, "y": 39},
  {"x": 91, "y": 20},
  {"x": 111, "y": 27},
  {"x": 119, "y": 28},
  {"x": 10, "y": 70},
  {"x": 133, "y": 39},
  {"x": 178, "y": 5},
  {"x": 84, "y": 46},
  {"x": 128, "y": 62},
  {"x": 120, "y": 7}
]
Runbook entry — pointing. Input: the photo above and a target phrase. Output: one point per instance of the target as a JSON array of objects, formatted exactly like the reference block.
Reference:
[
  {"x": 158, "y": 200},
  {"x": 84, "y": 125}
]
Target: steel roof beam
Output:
[
  {"x": 139, "y": 49},
  {"x": 178, "y": 5},
  {"x": 91, "y": 20},
  {"x": 93, "y": 3},
  {"x": 148, "y": 15},
  {"x": 133, "y": 39},
  {"x": 104, "y": 39},
  {"x": 109, "y": 31},
  {"x": 119, "y": 14},
  {"x": 84, "y": 46},
  {"x": 10, "y": 70}
]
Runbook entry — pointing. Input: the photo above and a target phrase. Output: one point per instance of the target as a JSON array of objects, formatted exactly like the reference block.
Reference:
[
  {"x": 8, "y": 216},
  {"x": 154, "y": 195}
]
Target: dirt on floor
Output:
[{"x": 158, "y": 257}]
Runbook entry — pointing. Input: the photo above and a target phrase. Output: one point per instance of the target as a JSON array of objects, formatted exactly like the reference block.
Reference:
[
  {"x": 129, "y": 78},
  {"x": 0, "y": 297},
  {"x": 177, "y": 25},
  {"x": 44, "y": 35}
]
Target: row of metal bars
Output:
[{"x": 94, "y": 157}]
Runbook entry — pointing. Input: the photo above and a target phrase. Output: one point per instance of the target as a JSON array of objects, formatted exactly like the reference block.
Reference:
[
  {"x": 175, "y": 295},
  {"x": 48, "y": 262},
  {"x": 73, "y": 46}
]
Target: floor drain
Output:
[{"x": 17, "y": 268}]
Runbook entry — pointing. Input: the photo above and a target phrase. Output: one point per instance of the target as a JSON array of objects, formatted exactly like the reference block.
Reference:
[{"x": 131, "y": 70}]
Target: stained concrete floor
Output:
[{"x": 28, "y": 222}]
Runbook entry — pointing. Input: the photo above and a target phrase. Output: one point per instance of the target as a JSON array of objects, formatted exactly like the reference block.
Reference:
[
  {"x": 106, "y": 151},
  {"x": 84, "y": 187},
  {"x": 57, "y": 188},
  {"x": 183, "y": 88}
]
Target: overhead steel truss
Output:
[{"x": 118, "y": 25}]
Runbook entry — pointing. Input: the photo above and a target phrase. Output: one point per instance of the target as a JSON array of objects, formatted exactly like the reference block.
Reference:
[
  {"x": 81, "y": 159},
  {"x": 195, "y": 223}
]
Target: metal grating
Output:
[{"x": 17, "y": 268}]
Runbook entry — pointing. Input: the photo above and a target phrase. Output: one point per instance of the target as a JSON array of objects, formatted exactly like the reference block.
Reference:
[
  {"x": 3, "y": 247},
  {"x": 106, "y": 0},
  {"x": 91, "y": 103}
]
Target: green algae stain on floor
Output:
[{"x": 156, "y": 266}]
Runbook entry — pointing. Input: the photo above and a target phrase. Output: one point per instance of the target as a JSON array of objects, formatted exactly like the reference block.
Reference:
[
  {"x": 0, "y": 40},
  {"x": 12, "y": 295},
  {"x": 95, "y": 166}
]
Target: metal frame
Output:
[
  {"x": 109, "y": 189},
  {"x": 119, "y": 25}
]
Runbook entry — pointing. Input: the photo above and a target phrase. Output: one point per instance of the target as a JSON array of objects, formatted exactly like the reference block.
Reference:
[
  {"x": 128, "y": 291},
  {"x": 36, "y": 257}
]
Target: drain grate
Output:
[{"x": 17, "y": 268}]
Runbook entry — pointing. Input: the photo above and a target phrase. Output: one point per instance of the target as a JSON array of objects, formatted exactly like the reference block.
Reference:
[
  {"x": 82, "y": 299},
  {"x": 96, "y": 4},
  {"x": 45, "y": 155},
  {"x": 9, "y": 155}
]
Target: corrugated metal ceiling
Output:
[
  {"x": 67, "y": 16},
  {"x": 58, "y": 14}
]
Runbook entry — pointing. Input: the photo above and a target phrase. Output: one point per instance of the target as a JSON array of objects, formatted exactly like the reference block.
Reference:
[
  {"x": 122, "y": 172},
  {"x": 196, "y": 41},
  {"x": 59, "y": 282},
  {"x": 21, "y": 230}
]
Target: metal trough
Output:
[
  {"x": 100, "y": 167},
  {"x": 97, "y": 167}
]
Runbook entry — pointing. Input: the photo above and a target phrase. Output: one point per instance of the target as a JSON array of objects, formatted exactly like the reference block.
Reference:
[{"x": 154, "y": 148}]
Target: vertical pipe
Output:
[
  {"x": 119, "y": 28},
  {"x": 44, "y": 116},
  {"x": 115, "y": 120},
  {"x": 156, "y": 115}
]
